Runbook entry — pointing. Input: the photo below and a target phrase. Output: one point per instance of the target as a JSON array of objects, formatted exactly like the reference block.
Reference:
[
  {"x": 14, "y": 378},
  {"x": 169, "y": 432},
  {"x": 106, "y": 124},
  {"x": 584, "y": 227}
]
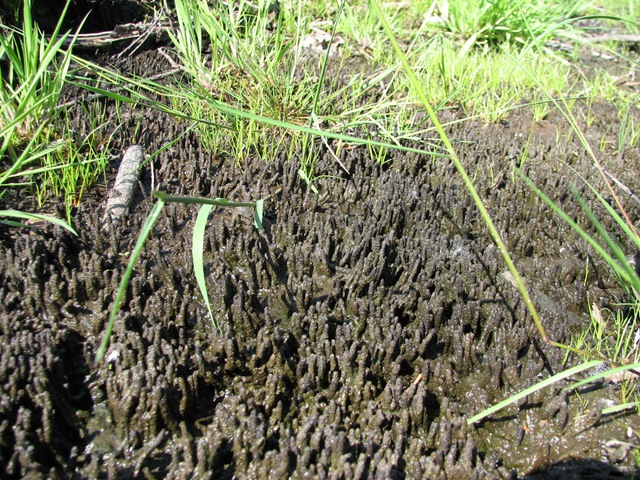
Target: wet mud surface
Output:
[{"x": 360, "y": 328}]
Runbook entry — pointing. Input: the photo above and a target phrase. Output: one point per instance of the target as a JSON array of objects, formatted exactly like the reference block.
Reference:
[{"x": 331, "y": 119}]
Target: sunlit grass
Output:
[{"x": 42, "y": 157}]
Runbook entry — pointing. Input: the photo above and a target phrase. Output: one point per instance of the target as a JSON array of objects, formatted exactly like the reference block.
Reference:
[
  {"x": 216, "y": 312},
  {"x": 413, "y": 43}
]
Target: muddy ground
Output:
[{"x": 360, "y": 328}]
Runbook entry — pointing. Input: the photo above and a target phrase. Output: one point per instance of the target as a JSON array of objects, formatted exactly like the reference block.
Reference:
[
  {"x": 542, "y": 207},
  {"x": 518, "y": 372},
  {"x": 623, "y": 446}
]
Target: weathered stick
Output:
[{"x": 124, "y": 188}]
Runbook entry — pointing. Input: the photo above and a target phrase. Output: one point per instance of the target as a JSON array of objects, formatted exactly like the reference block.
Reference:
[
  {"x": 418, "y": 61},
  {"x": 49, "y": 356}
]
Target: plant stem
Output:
[
  {"x": 219, "y": 202},
  {"x": 465, "y": 178}
]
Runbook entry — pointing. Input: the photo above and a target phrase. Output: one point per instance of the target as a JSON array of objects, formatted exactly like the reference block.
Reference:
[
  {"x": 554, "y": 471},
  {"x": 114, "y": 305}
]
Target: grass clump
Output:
[
  {"x": 36, "y": 153},
  {"x": 244, "y": 58},
  {"x": 613, "y": 334},
  {"x": 492, "y": 23}
]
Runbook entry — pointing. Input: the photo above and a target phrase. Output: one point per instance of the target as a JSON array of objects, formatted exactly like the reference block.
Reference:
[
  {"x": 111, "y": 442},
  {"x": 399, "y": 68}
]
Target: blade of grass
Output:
[
  {"x": 258, "y": 213},
  {"x": 197, "y": 248},
  {"x": 27, "y": 156},
  {"x": 594, "y": 378},
  {"x": 610, "y": 210},
  {"x": 122, "y": 290},
  {"x": 629, "y": 273},
  {"x": 566, "y": 112},
  {"x": 196, "y": 254},
  {"x": 620, "y": 270},
  {"x": 619, "y": 408},
  {"x": 37, "y": 217},
  {"x": 538, "y": 386},
  {"x": 217, "y": 202}
]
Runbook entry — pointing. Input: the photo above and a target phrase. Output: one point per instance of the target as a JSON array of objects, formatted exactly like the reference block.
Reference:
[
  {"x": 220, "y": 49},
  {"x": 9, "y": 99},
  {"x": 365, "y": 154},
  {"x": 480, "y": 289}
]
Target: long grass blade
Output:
[
  {"x": 620, "y": 270},
  {"x": 629, "y": 276},
  {"x": 619, "y": 408},
  {"x": 37, "y": 217},
  {"x": 124, "y": 283},
  {"x": 614, "y": 214},
  {"x": 604, "y": 374},
  {"x": 216, "y": 202},
  {"x": 197, "y": 256},
  {"x": 538, "y": 386}
]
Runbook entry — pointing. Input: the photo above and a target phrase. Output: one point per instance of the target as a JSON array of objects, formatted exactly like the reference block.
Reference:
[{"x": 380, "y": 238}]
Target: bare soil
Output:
[{"x": 360, "y": 328}]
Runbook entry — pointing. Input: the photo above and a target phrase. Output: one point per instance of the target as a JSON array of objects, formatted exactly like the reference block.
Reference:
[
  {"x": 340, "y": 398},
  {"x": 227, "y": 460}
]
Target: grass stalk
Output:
[{"x": 463, "y": 174}]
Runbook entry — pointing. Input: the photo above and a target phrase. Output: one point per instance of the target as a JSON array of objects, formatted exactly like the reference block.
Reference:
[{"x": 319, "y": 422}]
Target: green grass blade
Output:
[
  {"x": 198, "y": 262},
  {"x": 144, "y": 233},
  {"x": 37, "y": 216},
  {"x": 629, "y": 275},
  {"x": 216, "y": 202},
  {"x": 27, "y": 156},
  {"x": 103, "y": 92},
  {"x": 619, "y": 408},
  {"x": 538, "y": 386},
  {"x": 258, "y": 213},
  {"x": 601, "y": 375},
  {"x": 325, "y": 61},
  {"x": 620, "y": 270},
  {"x": 614, "y": 214},
  {"x": 11, "y": 223}
]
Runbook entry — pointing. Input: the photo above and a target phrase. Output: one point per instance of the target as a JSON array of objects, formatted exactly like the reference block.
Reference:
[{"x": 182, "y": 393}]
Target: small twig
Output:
[
  {"x": 121, "y": 33},
  {"x": 171, "y": 60},
  {"x": 316, "y": 124},
  {"x": 615, "y": 37},
  {"x": 139, "y": 41},
  {"x": 624, "y": 188},
  {"x": 159, "y": 440},
  {"x": 335, "y": 157}
]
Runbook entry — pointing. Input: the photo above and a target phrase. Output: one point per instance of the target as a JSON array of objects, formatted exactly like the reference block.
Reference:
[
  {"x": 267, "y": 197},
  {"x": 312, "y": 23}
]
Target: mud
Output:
[{"x": 360, "y": 328}]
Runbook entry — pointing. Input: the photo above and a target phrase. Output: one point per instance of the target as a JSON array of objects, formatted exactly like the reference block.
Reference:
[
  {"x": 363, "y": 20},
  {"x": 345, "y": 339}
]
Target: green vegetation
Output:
[
  {"x": 39, "y": 150},
  {"x": 197, "y": 250},
  {"x": 256, "y": 82},
  {"x": 482, "y": 23}
]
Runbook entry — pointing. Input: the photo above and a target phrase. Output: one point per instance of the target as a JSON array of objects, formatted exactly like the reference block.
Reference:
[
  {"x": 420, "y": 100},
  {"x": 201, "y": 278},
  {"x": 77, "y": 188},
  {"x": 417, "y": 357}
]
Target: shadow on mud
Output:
[{"x": 580, "y": 470}]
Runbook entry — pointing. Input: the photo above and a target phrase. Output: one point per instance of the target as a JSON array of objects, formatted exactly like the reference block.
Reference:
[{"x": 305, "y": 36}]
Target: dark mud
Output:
[{"x": 360, "y": 328}]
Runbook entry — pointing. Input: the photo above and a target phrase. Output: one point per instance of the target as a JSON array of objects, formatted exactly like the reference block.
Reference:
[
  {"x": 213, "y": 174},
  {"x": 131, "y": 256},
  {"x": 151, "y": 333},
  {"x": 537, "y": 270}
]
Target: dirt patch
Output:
[{"x": 360, "y": 328}]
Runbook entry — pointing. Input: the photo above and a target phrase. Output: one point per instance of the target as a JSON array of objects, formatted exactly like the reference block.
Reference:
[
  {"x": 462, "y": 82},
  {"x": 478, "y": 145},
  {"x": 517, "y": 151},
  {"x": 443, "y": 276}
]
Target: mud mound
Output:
[{"x": 360, "y": 328}]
